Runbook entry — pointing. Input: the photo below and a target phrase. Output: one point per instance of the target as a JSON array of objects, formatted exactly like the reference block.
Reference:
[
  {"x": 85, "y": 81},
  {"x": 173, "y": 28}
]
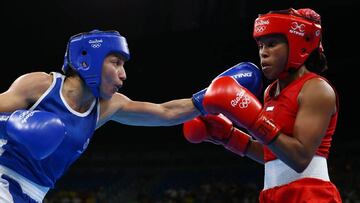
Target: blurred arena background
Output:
[{"x": 177, "y": 47}]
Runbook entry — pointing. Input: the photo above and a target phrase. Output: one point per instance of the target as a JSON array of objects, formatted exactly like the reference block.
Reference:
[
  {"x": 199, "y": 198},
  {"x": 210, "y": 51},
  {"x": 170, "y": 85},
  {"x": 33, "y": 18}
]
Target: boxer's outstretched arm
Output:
[{"x": 126, "y": 111}]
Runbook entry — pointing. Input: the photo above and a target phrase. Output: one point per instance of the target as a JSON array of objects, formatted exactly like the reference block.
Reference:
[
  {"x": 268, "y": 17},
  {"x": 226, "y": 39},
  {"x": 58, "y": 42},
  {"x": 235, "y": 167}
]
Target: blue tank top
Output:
[{"x": 79, "y": 130}]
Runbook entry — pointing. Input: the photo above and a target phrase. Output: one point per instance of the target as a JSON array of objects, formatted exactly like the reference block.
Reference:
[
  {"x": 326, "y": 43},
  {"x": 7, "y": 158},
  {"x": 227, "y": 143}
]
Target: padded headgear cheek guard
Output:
[
  {"x": 86, "y": 52},
  {"x": 302, "y": 32}
]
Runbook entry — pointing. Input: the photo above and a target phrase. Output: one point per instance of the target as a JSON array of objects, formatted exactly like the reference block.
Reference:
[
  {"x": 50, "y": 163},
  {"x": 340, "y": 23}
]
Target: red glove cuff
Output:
[
  {"x": 239, "y": 142},
  {"x": 265, "y": 130}
]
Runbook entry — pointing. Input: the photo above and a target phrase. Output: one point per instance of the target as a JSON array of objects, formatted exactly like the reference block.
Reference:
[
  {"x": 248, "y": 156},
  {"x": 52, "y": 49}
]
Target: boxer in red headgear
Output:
[{"x": 293, "y": 129}]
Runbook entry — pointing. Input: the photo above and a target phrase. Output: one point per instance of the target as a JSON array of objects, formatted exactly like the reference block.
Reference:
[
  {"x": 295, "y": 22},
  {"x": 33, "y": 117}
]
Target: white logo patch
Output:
[{"x": 269, "y": 108}]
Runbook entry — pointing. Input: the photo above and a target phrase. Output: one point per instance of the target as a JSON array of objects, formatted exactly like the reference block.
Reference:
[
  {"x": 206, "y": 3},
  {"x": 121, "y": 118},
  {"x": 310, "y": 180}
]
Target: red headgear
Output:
[{"x": 302, "y": 29}]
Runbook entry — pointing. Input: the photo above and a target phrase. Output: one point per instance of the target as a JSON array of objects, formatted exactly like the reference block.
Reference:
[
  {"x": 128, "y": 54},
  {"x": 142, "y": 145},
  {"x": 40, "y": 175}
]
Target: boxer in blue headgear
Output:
[
  {"x": 86, "y": 52},
  {"x": 77, "y": 103}
]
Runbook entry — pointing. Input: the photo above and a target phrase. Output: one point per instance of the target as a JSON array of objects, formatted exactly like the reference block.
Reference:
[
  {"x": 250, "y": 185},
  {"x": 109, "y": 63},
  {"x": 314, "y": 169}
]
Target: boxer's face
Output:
[
  {"x": 113, "y": 75},
  {"x": 273, "y": 52}
]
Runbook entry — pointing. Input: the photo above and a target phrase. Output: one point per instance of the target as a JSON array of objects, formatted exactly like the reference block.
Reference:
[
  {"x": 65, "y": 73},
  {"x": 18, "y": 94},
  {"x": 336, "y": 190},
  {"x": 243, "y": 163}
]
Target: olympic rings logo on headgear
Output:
[
  {"x": 295, "y": 26},
  {"x": 260, "y": 28},
  {"x": 95, "y": 43},
  {"x": 260, "y": 25},
  {"x": 297, "y": 29}
]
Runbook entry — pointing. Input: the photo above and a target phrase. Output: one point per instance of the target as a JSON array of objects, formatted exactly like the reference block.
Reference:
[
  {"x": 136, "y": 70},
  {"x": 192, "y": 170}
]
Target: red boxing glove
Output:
[
  {"x": 228, "y": 97},
  {"x": 216, "y": 129}
]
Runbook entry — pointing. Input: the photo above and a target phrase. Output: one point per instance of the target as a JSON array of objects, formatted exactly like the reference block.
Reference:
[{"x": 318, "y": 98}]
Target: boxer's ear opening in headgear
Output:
[{"x": 85, "y": 54}]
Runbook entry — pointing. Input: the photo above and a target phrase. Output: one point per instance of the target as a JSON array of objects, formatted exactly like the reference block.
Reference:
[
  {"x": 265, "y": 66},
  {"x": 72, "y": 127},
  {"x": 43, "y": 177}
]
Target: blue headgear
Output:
[{"x": 85, "y": 53}]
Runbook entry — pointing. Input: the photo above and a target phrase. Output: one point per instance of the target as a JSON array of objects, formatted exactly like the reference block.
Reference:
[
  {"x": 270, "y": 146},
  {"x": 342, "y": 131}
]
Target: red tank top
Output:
[{"x": 284, "y": 107}]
